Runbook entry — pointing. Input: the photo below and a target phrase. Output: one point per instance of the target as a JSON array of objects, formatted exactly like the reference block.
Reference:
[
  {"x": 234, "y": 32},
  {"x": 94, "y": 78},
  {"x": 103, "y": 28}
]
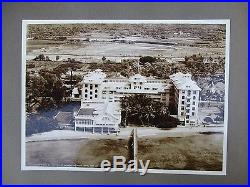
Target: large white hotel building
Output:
[{"x": 100, "y": 98}]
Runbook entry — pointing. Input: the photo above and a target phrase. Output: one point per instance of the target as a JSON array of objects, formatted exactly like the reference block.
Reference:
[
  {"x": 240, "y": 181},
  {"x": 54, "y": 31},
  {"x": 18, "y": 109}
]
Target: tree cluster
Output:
[
  {"x": 142, "y": 110},
  {"x": 42, "y": 57},
  {"x": 43, "y": 92},
  {"x": 194, "y": 58},
  {"x": 123, "y": 68},
  {"x": 146, "y": 59}
]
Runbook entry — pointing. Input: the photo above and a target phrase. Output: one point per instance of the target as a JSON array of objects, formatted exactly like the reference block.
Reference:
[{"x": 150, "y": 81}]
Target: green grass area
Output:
[
  {"x": 199, "y": 152},
  {"x": 95, "y": 151}
]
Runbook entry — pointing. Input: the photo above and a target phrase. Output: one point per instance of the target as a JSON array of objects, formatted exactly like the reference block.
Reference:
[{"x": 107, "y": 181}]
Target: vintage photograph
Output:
[{"x": 96, "y": 92}]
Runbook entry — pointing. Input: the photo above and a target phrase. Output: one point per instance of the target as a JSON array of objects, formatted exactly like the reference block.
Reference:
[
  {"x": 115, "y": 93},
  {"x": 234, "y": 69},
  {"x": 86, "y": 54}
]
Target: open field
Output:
[
  {"x": 53, "y": 153},
  {"x": 179, "y": 148},
  {"x": 102, "y": 44},
  {"x": 95, "y": 151},
  {"x": 83, "y": 153},
  {"x": 41, "y": 44},
  {"x": 199, "y": 152}
]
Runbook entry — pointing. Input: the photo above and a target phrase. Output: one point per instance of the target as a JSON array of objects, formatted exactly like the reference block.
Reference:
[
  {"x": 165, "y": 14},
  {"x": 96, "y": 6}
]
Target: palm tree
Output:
[{"x": 142, "y": 108}]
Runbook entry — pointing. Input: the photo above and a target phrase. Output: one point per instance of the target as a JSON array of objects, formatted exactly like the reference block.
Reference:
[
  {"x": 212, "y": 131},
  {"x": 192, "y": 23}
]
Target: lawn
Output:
[
  {"x": 95, "y": 151},
  {"x": 82, "y": 152},
  {"x": 198, "y": 152}
]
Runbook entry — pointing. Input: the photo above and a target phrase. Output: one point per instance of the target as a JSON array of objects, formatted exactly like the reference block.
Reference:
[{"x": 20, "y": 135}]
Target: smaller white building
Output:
[
  {"x": 98, "y": 117},
  {"x": 75, "y": 93}
]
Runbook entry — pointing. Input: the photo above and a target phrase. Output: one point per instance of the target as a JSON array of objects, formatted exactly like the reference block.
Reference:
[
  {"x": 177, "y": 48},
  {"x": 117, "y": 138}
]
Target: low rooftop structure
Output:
[{"x": 65, "y": 119}]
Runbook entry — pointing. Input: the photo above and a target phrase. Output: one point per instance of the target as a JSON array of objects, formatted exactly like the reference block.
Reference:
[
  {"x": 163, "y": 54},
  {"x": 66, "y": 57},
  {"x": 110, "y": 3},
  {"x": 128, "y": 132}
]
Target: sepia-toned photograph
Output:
[{"x": 128, "y": 95}]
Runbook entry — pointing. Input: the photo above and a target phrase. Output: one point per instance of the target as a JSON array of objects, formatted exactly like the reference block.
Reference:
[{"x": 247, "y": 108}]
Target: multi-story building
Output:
[
  {"x": 100, "y": 98},
  {"x": 185, "y": 93}
]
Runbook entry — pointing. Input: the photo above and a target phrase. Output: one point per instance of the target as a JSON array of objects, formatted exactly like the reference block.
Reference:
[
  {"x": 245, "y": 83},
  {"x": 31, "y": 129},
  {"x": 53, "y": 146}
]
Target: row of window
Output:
[
  {"x": 189, "y": 91},
  {"x": 156, "y": 81},
  {"x": 121, "y": 80},
  {"x": 110, "y": 92},
  {"x": 100, "y": 124},
  {"x": 135, "y": 87},
  {"x": 91, "y": 86},
  {"x": 188, "y": 100},
  {"x": 191, "y": 122},
  {"x": 86, "y": 95},
  {"x": 91, "y": 123},
  {"x": 183, "y": 102},
  {"x": 126, "y": 88},
  {"x": 86, "y": 90},
  {"x": 139, "y": 83},
  {"x": 115, "y": 80},
  {"x": 187, "y": 116},
  {"x": 85, "y": 122},
  {"x": 183, "y": 108}
]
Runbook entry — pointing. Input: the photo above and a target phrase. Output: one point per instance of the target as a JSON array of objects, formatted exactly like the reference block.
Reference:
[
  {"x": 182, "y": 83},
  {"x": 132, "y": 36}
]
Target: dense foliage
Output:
[
  {"x": 148, "y": 59},
  {"x": 44, "y": 92},
  {"x": 144, "y": 111}
]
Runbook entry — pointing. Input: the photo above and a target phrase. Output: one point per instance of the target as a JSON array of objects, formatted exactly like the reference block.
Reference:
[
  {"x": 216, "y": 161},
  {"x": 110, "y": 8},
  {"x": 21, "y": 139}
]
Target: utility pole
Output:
[
  {"x": 138, "y": 67},
  {"x": 135, "y": 144},
  {"x": 71, "y": 77}
]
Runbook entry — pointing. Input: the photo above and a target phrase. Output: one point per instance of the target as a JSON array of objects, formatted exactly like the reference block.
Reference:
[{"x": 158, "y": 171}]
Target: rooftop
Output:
[
  {"x": 180, "y": 80},
  {"x": 64, "y": 117},
  {"x": 184, "y": 81},
  {"x": 86, "y": 111},
  {"x": 75, "y": 91},
  {"x": 138, "y": 78},
  {"x": 96, "y": 76}
]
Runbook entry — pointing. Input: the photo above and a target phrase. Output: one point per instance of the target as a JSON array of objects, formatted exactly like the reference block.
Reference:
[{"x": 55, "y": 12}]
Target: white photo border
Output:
[{"x": 25, "y": 23}]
